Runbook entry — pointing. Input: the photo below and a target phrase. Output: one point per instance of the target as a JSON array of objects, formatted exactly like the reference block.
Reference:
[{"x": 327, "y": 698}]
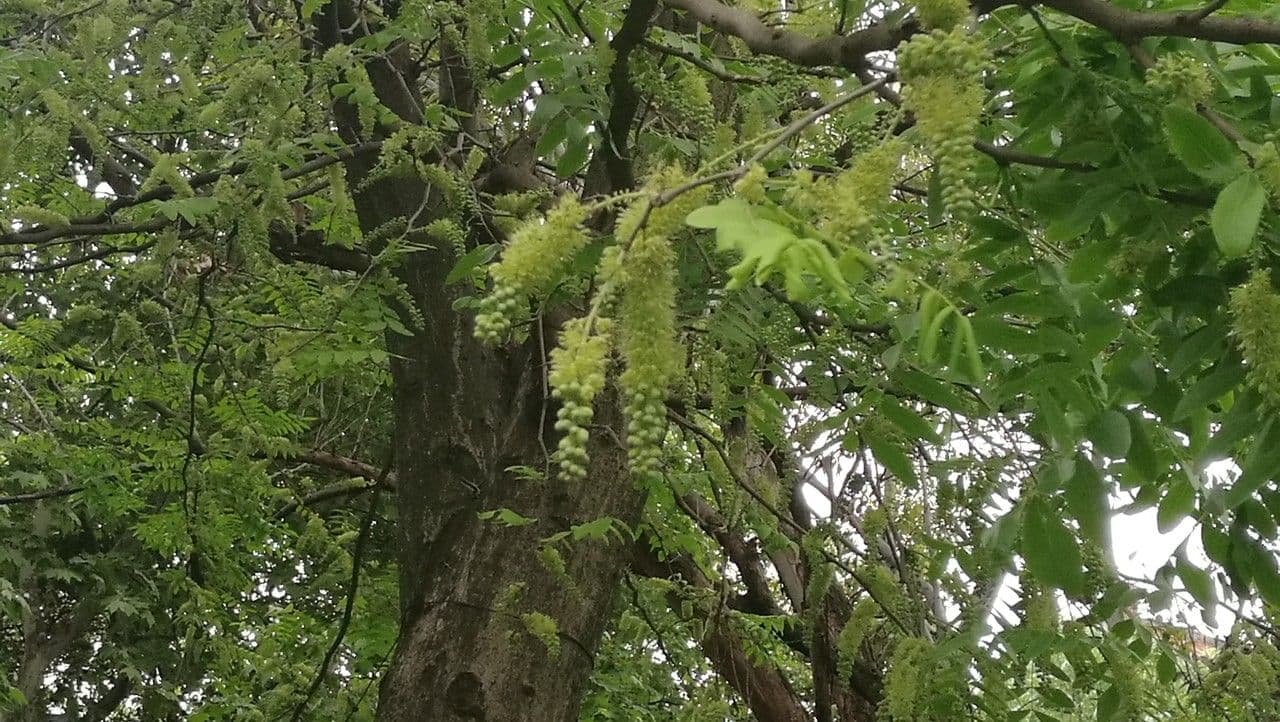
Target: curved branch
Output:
[
  {"x": 763, "y": 686},
  {"x": 40, "y": 495},
  {"x": 97, "y": 255},
  {"x": 1133, "y": 24},
  {"x": 99, "y": 224},
  {"x": 849, "y": 51}
]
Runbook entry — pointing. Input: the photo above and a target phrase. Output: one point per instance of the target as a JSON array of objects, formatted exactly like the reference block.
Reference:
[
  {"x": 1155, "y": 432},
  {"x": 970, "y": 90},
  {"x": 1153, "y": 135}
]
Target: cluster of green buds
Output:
[
  {"x": 1266, "y": 162},
  {"x": 943, "y": 14},
  {"x": 942, "y": 72},
  {"x": 577, "y": 375},
  {"x": 1180, "y": 77},
  {"x": 848, "y": 204},
  {"x": 1255, "y": 310},
  {"x": 531, "y": 264}
]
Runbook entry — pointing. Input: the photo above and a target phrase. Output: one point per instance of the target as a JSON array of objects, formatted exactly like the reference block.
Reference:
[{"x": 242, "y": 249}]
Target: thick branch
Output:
[
  {"x": 349, "y": 466},
  {"x": 40, "y": 495},
  {"x": 765, "y": 688},
  {"x": 849, "y": 51},
  {"x": 310, "y": 246},
  {"x": 43, "y": 235},
  {"x": 1134, "y": 24},
  {"x": 743, "y": 552},
  {"x": 612, "y": 169},
  {"x": 70, "y": 261}
]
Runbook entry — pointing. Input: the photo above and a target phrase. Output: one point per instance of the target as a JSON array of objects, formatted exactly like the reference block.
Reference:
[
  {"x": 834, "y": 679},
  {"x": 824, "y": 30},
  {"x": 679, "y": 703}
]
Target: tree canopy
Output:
[{"x": 639, "y": 360}]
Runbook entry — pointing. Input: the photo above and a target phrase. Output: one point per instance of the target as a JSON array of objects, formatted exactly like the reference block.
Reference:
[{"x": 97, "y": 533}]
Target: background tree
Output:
[{"x": 673, "y": 359}]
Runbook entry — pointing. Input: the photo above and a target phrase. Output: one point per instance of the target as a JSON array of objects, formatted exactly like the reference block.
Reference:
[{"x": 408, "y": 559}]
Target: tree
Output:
[{"x": 661, "y": 359}]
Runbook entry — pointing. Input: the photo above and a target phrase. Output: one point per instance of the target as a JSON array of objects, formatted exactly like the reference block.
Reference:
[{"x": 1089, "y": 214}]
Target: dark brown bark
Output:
[
  {"x": 464, "y": 414},
  {"x": 763, "y": 686}
]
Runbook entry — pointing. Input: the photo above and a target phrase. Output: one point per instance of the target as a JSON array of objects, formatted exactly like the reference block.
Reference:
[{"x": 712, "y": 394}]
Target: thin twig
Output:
[
  {"x": 1204, "y": 12},
  {"x": 788, "y": 133},
  {"x": 357, "y": 556},
  {"x": 39, "y": 495}
]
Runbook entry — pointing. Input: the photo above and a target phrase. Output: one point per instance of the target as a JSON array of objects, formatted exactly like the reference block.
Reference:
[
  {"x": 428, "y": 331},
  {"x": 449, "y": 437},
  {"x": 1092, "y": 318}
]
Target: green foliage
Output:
[{"x": 1015, "y": 306}]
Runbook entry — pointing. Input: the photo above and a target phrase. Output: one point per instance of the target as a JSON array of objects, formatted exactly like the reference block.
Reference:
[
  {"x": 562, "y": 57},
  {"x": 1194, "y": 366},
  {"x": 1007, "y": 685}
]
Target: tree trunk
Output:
[{"x": 464, "y": 414}]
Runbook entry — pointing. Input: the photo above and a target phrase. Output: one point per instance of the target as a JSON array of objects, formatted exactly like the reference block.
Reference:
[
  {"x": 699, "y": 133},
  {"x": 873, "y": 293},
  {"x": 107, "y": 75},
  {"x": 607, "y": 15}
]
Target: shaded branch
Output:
[
  {"x": 848, "y": 51},
  {"x": 77, "y": 260},
  {"x": 99, "y": 224},
  {"x": 40, "y": 495},
  {"x": 357, "y": 559},
  {"x": 764, "y": 687},
  {"x": 311, "y": 246},
  {"x": 612, "y": 168},
  {"x": 1133, "y": 24},
  {"x": 699, "y": 62}
]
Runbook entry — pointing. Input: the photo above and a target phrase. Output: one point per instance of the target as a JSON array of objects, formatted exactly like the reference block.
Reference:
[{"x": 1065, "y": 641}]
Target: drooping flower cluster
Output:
[
  {"x": 1255, "y": 307},
  {"x": 1180, "y": 77},
  {"x": 942, "y": 73},
  {"x": 902, "y": 685},
  {"x": 647, "y": 321},
  {"x": 577, "y": 376},
  {"x": 852, "y": 635},
  {"x": 633, "y": 307},
  {"x": 531, "y": 264},
  {"x": 847, "y": 205}
]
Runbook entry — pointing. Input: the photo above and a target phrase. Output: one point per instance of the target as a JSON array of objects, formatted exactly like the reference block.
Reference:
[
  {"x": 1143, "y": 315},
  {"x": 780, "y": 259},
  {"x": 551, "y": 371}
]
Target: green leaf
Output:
[
  {"x": 506, "y": 517},
  {"x": 728, "y": 212},
  {"x": 908, "y": 420},
  {"x": 511, "y": 88},
  {"x": 1050, "y": 549},
  {"x": 1197, "y": 582},
  {"x": 575, "y": 156},
  {"x": 1260, "y": 466},
  {"x": 1086, "y": 498},
  {"x": 1223, "y": 377},
  {"x": 891, "y": 455},
  {"x": 1236, "y": 215},
  {"x": 1265, "y": 577},
  {"x": 471, "y": 260},
  {"x": 1259, "y": 518},
  {"x": 1142, "y": 464},
  {"x": 1109, "y": 432},
  {"x": 1176, "y": 505},
  {"x": 932, "y": 390},
  {"x": 1200, "y": 146},
  {"x": 1109, "y": 704}
]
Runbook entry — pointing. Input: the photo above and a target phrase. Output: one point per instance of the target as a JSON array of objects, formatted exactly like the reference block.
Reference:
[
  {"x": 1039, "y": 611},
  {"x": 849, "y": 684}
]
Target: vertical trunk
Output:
[{"x": 464, "y": 414}]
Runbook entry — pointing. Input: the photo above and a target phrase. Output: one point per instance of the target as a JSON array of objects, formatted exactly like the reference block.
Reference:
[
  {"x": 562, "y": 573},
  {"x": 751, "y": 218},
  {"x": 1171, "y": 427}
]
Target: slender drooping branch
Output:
[
  {"x": 100, "y": 224},
  {"x": 357, "y": 560}
]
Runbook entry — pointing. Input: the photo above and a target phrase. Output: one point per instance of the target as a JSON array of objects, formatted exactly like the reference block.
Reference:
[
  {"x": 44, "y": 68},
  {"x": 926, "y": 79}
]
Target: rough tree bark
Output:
[{"x": 463, "y": 415}]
